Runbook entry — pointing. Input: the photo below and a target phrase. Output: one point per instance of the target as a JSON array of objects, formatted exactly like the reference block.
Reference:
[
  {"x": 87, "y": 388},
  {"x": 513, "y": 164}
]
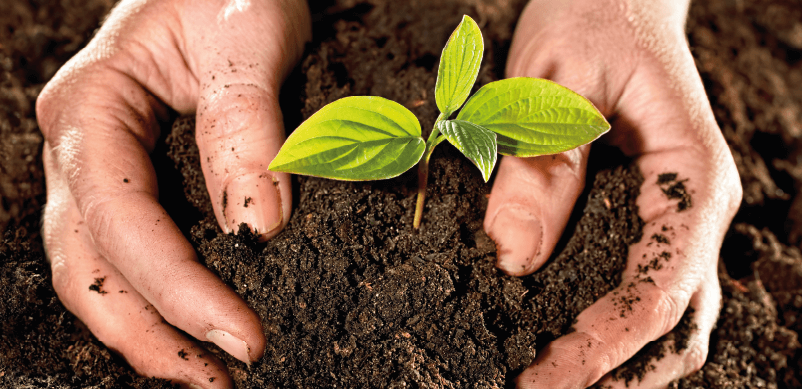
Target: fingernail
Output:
[
  {"x": 518, "y": 234},
  {"x": 194, "y": 386},
  {"x": 253, "y": 199},
  {"x": 230, "y": 344}
]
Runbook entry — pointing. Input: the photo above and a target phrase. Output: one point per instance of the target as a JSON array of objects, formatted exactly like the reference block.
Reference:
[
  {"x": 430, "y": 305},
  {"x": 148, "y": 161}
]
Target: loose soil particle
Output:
[
  {"x": 97, "y": 286},
  {"x": 349, "y": 294},
  {"x": 675, "y": 188}
]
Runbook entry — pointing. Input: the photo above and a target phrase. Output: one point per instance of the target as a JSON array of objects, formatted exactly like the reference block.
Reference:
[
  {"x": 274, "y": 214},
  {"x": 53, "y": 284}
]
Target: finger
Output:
[
  {"x": 529, "y": 206},
  {"x": 684, "y": 353},
  {"x": 532, "y": 198},
  {"x": 239, "y": 133},
  {"x": 100, "y": 128},
  {"x": 112, "y": 309},
  {"x": 239, "y": 123},
  {"x": 657, "y": 286}
]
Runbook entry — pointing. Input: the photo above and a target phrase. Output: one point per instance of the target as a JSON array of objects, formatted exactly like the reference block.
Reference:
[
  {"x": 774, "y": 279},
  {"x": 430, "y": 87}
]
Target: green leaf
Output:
[
  {"x": 354, "y": 138},
  {"x": 476, "y": 143},
  {"x": 534, "y": 116},
  {"x": 460, "y": 63}
]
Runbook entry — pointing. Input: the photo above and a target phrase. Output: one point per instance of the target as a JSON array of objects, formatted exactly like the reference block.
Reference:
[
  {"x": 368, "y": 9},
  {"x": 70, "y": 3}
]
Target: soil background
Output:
[{"x": 348, "y": 294}]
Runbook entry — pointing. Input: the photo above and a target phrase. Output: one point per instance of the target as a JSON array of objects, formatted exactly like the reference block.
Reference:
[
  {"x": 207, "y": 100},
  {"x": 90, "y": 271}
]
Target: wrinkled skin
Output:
[
  {"x": 99, "y": 115},
  {"x": 631, "y": 59},
  {"x": 225, "y": 60}
]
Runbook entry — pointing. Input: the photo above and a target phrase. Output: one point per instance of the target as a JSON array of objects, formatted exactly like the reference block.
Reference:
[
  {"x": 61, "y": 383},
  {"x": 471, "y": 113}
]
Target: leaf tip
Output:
[
  {"x": 469, "y": 19},
  {"x": 274, "y": 167},
  {"x": 486, "y": 176}
]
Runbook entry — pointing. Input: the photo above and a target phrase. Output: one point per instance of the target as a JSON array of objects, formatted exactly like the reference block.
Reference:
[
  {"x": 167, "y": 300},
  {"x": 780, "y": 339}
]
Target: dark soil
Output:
[{"x": 348, "y": 293}]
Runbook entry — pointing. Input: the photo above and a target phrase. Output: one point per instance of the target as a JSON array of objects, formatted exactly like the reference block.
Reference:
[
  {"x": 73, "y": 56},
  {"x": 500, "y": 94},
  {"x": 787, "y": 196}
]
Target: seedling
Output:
[{"x": 370, "y": 138}]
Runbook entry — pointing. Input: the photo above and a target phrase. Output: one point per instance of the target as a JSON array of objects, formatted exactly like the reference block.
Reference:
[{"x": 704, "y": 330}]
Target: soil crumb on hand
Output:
[
  {"x": 675, "y": 189},
  {"x": 97, "y": 286}
]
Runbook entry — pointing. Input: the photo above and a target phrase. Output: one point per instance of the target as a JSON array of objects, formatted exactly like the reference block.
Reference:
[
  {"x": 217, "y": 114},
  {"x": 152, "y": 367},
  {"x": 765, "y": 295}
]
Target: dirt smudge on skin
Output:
[
  {"x": 675, "y": 188},
  {"x": 644, "y": 362},
  {"x": 97, "y": 286},
  {"x": 660, "y": 238}
]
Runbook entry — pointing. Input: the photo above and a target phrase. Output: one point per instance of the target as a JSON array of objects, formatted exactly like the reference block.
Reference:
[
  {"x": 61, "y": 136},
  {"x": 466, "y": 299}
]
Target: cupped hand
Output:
[
  {"x": 119, "y": 262},
  {"x": 631, "y": 59}
]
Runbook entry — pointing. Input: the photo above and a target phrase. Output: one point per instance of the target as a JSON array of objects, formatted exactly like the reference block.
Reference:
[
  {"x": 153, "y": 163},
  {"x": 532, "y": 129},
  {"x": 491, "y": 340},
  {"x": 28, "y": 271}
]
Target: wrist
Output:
[
  {"x": 609, "y": 31},
  {"x": 640, "y": 15}
]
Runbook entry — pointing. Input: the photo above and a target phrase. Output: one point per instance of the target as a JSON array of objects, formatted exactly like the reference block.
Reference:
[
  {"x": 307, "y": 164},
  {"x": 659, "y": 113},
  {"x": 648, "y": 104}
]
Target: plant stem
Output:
[{"x": 423, "y": 170}]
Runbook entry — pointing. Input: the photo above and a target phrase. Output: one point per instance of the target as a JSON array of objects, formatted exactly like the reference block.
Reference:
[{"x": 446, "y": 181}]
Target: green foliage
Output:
[
  {"x": 534, "y": 116},
  {"x": 475, "y": 142},
  {"x": 354, "y": 138},
  {"x": 459, "y": 66},
  {"x": 369, "y": 138}
]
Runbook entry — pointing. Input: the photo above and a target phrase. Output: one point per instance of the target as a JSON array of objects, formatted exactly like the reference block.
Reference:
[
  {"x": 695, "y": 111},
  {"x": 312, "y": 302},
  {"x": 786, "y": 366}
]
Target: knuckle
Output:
[
  {"x": 602, "y": 366},
  {"x": 50, "y": 108},
  {"x": 734, "y": 190},
  {"x": 98, "y": 209},
  {"x": 44, "y": 108},
  {"x": 569, "y": 163},
  {"x": 107, "y": 211},
  {"x": 102, "y": 210},
  {"x": 729, "y": 187},
  {"x": 695, "y": 357},
  {"x": 575, "y": 161},
  {"x": 605, "y": 358},
  {"x": 54, "y": 102},
  {"x": 61, "y": 118},
  {"x": 235, "y": 108},
  {"x": 663, "y": 307}
]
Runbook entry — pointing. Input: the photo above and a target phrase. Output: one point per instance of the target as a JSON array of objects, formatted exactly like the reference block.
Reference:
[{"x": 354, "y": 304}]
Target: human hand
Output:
[
  {"x": 118, "y": 261},
  {"x": 631, "y": 59}
]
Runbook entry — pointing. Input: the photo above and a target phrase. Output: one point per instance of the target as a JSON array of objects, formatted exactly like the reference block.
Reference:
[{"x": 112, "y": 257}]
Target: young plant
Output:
[{"x": 370, "y": 138}]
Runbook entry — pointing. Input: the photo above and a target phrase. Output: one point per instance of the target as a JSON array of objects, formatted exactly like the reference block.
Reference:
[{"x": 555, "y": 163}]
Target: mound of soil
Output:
[{"x": 349, "y": 294}]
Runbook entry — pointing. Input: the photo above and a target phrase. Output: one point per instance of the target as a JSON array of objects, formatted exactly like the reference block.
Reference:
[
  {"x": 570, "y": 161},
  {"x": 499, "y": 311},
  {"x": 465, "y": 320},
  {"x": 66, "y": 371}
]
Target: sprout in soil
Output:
[{"x": 369, "y": 138}]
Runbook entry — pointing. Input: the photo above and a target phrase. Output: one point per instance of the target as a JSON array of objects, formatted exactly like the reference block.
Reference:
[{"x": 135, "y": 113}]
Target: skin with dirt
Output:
[{"x": 350, "y": 295}]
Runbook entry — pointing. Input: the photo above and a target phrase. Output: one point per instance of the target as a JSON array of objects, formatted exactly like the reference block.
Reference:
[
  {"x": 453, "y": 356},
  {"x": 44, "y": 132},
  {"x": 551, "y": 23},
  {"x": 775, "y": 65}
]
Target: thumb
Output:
[
  {"x": 529, "y": 206},
  {"x": 239, "y": 122},
  {"x": 532, "y": 198}
]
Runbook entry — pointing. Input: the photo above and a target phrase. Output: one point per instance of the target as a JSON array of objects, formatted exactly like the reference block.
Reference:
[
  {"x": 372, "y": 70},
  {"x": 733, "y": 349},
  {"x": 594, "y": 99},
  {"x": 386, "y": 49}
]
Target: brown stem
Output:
[
  {"x": 423, "y": 173},
  {"x": 423, "y": 169}
]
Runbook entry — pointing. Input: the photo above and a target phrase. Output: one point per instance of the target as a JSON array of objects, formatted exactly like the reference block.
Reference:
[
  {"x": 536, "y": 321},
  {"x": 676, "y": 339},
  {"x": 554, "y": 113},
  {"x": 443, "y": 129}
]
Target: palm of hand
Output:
[{"x": 640, "y": 74}]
